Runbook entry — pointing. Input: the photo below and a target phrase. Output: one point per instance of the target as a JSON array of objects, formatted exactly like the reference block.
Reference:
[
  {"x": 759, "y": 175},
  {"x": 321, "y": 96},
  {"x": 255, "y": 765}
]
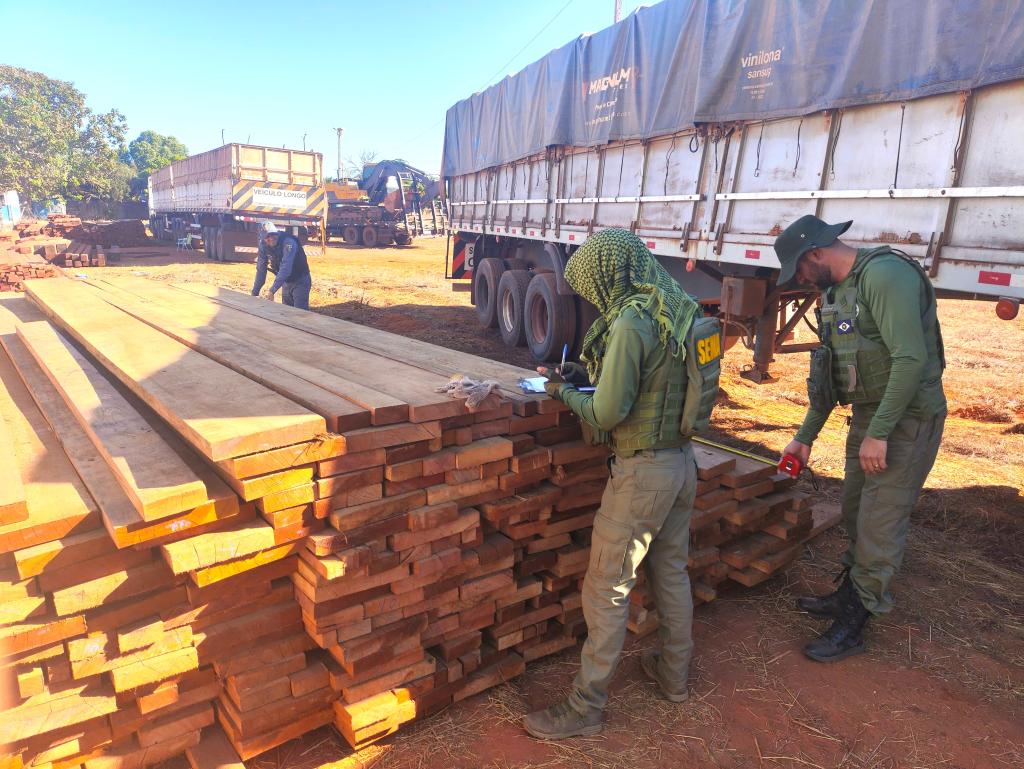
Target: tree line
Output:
[{"x": 53, "y": 146}]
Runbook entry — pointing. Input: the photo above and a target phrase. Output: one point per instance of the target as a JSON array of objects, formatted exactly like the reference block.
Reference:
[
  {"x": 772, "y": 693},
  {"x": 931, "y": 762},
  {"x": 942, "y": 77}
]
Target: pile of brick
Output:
[{"x": 213, "y": 548}]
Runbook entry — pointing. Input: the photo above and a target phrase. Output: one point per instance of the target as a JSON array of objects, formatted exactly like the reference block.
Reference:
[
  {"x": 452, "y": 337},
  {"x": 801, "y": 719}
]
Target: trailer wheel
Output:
[
  {"x": 218, "y": 248},
  {"x": 370, "y": 239},
  {"x": 511, "y": 301},
  {"x": 550, "y": 318},
  {"x": 402, "y": 238},
  {"x": 351, "y": 235},
  {"x": 486, "y": 277}
]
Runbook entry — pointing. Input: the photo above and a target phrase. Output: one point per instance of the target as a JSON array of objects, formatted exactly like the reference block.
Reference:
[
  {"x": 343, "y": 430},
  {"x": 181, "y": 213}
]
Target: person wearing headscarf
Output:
[{"x": 634, "y": 353}]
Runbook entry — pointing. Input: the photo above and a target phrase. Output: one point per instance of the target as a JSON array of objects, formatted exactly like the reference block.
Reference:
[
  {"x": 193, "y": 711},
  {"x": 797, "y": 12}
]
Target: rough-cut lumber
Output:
[
  {"x": 13, "y": 505},
  {"x": 154, "y": 476},
  {"x": 220, "y": 412},
  {"x": 198, "y": 552},
  {"x": 120, "y": 517},
  {"x": 58, "y": 501},
  {"x": 230, "y": 338},
  {"x": 428, "y": 357},
  {"x": 213, "y": 752}
]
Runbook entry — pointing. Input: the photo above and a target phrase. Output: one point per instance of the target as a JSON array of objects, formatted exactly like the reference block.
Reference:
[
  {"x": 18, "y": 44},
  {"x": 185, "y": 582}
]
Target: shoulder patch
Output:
[{"x": 708, "y": 348}]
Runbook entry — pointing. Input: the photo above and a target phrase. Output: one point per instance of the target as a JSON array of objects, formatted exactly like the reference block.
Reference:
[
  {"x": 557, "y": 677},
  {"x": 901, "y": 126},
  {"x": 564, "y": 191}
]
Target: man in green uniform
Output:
[
  {"x": 881, "y": 352},
  {"x": 635, "y": 353}
]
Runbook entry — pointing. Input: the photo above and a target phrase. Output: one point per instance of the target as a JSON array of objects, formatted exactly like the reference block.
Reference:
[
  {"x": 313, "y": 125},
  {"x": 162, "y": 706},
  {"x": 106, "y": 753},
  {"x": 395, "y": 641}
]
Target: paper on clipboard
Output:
[{"x": 534, "y": 384}]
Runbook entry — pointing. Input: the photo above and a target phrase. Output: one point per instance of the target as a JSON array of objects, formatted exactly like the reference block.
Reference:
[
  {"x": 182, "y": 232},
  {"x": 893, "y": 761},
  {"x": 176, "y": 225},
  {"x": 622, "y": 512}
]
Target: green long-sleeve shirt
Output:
[
  {"x": 633, "y": 353},
  {"x": 892, "y": 298}
]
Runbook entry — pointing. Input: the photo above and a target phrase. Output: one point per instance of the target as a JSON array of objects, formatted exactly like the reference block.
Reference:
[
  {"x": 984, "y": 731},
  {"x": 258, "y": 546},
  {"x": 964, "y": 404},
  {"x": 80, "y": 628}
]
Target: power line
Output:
[{"x": 502, "y": 68}]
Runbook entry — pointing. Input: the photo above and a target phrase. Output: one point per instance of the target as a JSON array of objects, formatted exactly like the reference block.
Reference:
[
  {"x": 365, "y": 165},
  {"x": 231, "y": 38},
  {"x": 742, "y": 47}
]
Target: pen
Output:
[{"x": 565, "y": 354}]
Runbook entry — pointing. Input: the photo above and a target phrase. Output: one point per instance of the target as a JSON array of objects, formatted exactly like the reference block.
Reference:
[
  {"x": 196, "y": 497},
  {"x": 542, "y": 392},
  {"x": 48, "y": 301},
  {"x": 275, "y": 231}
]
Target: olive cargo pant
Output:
[
  {"x": 645, "y": 513},
  {"x": 876, "y": 508}
]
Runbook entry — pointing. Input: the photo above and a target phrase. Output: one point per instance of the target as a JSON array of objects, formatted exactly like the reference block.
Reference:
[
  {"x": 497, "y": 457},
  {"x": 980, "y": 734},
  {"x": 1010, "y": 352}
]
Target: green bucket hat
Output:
[{"x": 805, "y": 234}]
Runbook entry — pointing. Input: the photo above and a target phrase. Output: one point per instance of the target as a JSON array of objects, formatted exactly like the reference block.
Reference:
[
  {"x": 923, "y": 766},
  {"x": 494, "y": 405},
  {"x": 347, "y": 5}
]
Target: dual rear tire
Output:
[{"x": 525, "y": 307}]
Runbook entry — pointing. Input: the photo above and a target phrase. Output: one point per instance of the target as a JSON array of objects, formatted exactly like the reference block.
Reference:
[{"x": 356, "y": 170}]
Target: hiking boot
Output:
[
  {"x": 828, "y": 606},
  {"x": 844, "y": 637},
  {"x": 649, "y": 662},
  {"x": 560, "y": 721}
]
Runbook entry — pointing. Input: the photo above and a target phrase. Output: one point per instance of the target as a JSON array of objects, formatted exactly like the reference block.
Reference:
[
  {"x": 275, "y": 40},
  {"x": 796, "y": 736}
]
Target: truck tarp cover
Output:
[{"x": 682, "y": 62}]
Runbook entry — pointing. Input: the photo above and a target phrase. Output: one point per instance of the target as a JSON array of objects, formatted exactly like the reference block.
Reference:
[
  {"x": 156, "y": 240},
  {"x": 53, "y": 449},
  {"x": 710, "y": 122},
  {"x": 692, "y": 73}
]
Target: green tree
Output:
[
  {"x": 51, "y": 144},
  {"x": 150, "y": 151}
]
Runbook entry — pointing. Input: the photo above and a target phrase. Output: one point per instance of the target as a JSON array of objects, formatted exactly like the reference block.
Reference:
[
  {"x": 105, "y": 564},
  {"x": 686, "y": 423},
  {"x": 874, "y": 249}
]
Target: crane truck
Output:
[{"x": 706, "y": 127}]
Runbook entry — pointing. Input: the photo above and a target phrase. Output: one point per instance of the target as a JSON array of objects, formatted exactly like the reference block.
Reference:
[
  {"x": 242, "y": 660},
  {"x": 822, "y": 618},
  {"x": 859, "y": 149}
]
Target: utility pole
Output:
[
  {"x": 618, "y": 10},
  {"x": 340, "y": 132},
  {"x": 303, "y": 142}
]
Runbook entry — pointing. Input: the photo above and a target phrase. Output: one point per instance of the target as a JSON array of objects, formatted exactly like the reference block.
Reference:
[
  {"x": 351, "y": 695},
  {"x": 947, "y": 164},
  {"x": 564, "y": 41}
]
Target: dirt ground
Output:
[{"x": 942, "y": 684}]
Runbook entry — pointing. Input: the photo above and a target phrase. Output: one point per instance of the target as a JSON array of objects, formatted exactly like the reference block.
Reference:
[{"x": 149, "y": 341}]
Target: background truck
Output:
[
  {"x": 223, "y": 194},
  {"x": 707, "y": 127},
  {"x": 398, "y": 202}
]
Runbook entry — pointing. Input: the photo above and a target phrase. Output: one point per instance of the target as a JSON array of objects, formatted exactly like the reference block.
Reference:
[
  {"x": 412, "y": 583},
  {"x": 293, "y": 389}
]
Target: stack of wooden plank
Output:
[
  {"x": 78, "y": 254},
  {"x": 60, "y": 225},
  {"x": 233, "y": 520},
  {"x": 15, "y": 269}
]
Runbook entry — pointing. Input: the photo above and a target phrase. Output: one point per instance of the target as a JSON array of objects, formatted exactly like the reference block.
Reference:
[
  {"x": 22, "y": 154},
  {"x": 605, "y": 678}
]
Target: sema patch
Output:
[
  {"x": 845, "y": 326},
  {"x": 708, "y": 349}
]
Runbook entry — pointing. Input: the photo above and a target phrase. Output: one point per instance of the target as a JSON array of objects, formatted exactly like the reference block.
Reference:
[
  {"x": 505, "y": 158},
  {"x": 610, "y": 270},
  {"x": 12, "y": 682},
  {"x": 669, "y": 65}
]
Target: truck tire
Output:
[
  {"x": 511, "y": 301},
  {"x": 402, "y": 238},
  {"x": 351, "y": 235},
  {"x": 370, "y": 239},
  {"x": 218, "y": 248},
  {"x": 550, "y": 318},
  {"x": 486, "y": 277}
]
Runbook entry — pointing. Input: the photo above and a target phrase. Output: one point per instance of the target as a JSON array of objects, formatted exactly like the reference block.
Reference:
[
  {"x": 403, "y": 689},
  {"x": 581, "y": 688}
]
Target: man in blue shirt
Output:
[{"x": 284, "y": 256}]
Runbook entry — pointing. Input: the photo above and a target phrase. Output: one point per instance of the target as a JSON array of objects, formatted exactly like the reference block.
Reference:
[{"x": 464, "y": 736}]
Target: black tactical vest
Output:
[{"x": 300, "y": 267}]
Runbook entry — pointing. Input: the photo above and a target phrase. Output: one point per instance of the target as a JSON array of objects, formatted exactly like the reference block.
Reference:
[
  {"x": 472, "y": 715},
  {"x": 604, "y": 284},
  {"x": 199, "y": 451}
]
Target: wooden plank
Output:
[
  {"x": 389, "y": 387},
  {"x": 58, "y": 501},
  {"x": 260, "y": 364},
  {"x": 203, "y": 550},
  {"x": 119, "y": 516},
  {"x": 228, "y": 415},
  {"x": 13, "y": 505},
  {"x": 429, "y": 357},
  {"x": 113, "y": 587},
  {"x": 238, "y": 340},
  {"x": 155, "y": 669},
  {"x": 213, "y": 752},
  {"x": 284, "y": 458},
  {"x": 62, "y": 553},
  {"x": 156, "y": 479}
]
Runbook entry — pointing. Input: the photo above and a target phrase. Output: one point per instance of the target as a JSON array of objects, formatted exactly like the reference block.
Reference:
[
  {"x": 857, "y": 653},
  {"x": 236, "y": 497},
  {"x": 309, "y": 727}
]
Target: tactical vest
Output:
[
  {"x": 860, "y": 366},
  {"x": 300, "y": 266},
  {"x": 676, "y": 400}
]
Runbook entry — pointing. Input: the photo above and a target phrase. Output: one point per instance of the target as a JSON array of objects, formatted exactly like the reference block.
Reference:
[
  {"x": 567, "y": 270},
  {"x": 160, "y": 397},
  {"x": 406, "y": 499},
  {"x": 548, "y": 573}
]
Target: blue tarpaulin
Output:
[{"x": 670, "y": 66}]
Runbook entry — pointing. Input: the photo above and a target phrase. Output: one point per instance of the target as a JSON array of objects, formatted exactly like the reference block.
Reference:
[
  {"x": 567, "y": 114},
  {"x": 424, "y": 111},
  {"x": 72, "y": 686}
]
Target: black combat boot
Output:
[
  {"x": 828, "y": 606},
  {"x": 845, "y": 636}
]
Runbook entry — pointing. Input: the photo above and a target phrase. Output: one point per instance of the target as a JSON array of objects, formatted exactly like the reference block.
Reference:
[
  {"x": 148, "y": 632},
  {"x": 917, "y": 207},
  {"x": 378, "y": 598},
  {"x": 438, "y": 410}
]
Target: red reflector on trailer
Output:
[
  {"x": 650, "y": 244},
  {"x": 994, "y": 278},
  {"x": 1007, "y": 308},
  {"x": 752, "y": 254},
  {"x": 572, "y": 237}
]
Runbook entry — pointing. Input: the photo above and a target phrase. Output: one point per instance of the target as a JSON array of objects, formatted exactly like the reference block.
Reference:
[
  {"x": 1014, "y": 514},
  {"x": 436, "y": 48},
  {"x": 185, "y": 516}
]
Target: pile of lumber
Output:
[
  {"x": 59, "y": 225},
  {"x": 231, "y": 522},
  {"x": 121, "y": 232},
  {"x": 78, "y": 254},
  {"x": 15, "y": 269}
]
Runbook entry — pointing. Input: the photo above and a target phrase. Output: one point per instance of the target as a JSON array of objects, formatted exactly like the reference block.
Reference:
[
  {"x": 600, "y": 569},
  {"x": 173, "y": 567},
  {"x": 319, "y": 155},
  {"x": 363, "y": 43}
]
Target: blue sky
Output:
[{"x": 269, "y": 72}]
